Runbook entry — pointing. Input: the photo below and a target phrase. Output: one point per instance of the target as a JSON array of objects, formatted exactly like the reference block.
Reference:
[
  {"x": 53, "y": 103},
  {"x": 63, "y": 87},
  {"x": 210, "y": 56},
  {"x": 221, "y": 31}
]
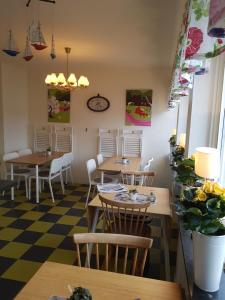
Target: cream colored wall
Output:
[
  {"x": 14, "y": 95},
  {"x": 111, "y": 83}
]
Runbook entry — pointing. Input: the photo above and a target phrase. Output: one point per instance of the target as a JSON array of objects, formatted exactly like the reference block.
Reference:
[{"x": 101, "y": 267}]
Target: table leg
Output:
[
  {"x": 102, "y": 177},
  {"x": 37, "y": 184},
  {"x": 12, "y": 177},
  {"x": 132, "y": 179},
  {"x": 166, "y": 248}
]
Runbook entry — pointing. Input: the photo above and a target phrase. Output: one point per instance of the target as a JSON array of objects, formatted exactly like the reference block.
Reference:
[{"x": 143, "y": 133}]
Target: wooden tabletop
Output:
[
  {"x": 112, "y": 164},
  {"x": 53, "y": 278},
  {"x": 161, "y": 207},
  {"x": 40, "y": 158}
]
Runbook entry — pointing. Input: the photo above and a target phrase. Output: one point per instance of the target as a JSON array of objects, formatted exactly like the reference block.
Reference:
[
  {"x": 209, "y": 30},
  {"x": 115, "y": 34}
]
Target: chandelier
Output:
[{"x": 69, "y": 82}]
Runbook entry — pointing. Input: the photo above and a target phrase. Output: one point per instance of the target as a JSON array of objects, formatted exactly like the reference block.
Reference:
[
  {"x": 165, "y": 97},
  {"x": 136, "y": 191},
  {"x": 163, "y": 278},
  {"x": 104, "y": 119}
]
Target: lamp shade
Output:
[
  {"x": 207, "y": 162},
  {"x": 182, "y": 140},
  {"x": 174, "y": 131}
]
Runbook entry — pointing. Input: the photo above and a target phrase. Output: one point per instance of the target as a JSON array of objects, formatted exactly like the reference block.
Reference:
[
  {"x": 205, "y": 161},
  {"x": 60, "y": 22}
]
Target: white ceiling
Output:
[{"x": 105, "y": 32}]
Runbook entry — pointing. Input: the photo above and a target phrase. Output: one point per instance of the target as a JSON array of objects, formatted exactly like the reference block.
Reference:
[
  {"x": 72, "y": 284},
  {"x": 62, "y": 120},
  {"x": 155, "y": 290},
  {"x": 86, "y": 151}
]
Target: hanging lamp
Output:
[{"x": 68, "y": 82}]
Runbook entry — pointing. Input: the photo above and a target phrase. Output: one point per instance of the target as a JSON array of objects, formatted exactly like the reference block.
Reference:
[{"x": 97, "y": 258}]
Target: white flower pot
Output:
[{"x": 208, "y": 258}]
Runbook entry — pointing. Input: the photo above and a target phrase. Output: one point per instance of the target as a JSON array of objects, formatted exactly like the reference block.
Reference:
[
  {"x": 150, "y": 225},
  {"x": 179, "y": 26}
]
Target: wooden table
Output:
[
  {"x": 113, "y": 164},
  {"x": 53, "y": 278},
  {"x": 36, "y": 160},
  {"x": 160, "y": 209}
]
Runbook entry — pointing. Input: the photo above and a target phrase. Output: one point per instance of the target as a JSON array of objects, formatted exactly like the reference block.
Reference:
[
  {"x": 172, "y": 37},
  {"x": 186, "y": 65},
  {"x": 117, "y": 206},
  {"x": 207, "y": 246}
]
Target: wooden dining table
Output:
[
  {"x": 36, "y": 160},
  {"x": 160, "y": 209},
  {"x": 53, "y": 279},
  {"x": 114, "y": 164}
]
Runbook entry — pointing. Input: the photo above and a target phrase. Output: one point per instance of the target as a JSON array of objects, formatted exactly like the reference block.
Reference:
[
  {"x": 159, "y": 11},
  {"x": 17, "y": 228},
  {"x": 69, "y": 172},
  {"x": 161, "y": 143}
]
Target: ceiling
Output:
[{"x": 140, "y": 33}]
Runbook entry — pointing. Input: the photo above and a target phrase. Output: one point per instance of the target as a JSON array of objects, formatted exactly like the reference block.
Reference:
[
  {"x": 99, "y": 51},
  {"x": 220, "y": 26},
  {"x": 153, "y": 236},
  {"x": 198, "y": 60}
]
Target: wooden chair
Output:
[
  {"x": 136, "y": 245},
  {"x": 125, "y": 218}
]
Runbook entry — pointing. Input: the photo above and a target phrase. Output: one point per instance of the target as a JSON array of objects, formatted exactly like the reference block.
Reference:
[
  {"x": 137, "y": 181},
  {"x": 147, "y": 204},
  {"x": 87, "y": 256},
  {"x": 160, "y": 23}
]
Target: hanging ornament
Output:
[
  {"x": 27, "y": 52},
  {"x": 11, "y": 48},
  {"x": 36, "y": 37},
  {"x": 52, "y": 54}
]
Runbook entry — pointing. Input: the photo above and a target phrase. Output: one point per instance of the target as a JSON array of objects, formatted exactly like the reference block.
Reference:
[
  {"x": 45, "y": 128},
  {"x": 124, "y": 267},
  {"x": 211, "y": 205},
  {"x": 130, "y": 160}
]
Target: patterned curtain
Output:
[{"x": 195, "y": 45}]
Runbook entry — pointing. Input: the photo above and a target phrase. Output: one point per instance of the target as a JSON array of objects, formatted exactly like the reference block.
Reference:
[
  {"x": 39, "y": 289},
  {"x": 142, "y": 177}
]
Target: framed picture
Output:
[
  {"x": 58, "y": 106},
  {"x": 138, "y": 107}
]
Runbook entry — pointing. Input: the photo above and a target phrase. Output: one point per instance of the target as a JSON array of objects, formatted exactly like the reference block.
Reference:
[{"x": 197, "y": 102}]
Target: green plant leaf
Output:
[{"x": 195, "y": 211}]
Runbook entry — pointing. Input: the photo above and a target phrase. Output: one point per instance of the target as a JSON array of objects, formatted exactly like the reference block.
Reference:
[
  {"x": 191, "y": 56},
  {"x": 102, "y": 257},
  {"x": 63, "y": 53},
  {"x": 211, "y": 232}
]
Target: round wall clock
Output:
[{"x": 98, "y": 103}]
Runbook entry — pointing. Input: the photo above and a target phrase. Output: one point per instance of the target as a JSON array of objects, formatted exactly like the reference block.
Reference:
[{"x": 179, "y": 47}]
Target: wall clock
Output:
[{"x": 98, "y": 103}]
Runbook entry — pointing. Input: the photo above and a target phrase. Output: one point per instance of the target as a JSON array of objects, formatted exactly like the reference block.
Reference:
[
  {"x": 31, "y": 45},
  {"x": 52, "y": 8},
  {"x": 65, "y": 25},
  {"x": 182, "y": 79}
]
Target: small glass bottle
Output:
[{"x": 152, "y": 197}]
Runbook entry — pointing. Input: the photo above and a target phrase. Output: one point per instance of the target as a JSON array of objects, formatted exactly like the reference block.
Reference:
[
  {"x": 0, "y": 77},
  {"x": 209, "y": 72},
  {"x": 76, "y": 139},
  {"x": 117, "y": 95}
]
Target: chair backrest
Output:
[
  {"x": 56, "y": 166},
  {"x": 100, "y": 159},
  {"x": 63, "y": 138},
  {"x": 145, "y": 178},
  {"x": 148, "y": 165},
  {"x": 10, "y": 155},
  {"x": 67, "y": 159},
  {"x": 91, "y": 167},
  {"x": 131, "y": 142},
  {"x": 108, "y": 142},
  {"x": 131, "y": 246},
  {"x": 24, "y": 152},
  {"x": 42, "y": 138},
  {"x": 125, "y": 218}
]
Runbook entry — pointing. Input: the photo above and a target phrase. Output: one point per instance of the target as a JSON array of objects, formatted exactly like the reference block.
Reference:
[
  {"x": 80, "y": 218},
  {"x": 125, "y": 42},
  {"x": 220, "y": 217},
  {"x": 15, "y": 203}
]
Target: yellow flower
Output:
[
  {"x": 217, "y": 189},
  {"x": 223, "y": 196},
  {"x": 201, "y": 196},
  {"x": 207, "y": 187}
]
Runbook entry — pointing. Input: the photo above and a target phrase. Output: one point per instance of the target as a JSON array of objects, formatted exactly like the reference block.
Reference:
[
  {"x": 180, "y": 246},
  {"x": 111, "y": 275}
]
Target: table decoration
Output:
[{"x": 201, "y": 210}]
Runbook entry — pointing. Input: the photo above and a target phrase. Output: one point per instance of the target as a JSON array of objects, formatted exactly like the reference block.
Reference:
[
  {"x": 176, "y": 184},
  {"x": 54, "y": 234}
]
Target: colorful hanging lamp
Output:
[
  {"x": 36, "y": 37},
  {"x": 11, "y": 48}
]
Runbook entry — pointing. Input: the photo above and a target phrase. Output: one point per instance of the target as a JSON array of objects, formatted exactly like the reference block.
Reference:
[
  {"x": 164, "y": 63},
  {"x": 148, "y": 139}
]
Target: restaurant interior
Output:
[{"x": 112, "y": 149}]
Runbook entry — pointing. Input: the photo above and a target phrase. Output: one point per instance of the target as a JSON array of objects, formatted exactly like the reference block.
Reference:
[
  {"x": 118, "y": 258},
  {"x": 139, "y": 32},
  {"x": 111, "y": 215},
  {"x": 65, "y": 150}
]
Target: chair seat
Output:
[{"x": 21, "y": 171}]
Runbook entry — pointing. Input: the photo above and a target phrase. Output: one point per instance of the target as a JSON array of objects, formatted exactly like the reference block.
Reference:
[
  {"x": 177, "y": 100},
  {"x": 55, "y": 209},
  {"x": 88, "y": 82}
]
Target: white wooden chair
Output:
[
  {"x": 93, "y": 179},
  {"x": 18, "y": 172},
  {"x": 54, "y": 172},
  {"x": 24, "y": 152},
  {"x": 67, "y": 166},
  {"x": 131, "y": 143},
  {"x": 63, "y": 139},
  {"x": 108, "y": 142},
  {"x": 100, "y": 160},
  {"x": 42, "y": 138}
]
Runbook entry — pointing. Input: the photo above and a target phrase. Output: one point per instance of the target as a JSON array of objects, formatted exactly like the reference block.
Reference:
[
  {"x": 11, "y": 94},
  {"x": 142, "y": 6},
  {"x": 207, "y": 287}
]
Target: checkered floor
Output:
[{"x": 30, "y": 234}]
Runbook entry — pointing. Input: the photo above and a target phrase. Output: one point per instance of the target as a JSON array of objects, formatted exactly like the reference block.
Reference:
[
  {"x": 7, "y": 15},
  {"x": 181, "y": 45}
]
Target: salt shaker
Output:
[{"x": 152, "y": 197}]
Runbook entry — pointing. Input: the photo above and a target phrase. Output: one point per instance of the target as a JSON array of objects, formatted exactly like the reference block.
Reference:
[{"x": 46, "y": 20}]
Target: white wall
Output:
[
  {"x": 111, "y": 83},
  {"x": 14, "y": 96}
]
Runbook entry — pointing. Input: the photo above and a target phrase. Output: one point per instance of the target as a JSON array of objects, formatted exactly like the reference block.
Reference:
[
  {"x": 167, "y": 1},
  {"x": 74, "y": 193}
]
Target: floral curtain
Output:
[{"x": 195, "y": 45}]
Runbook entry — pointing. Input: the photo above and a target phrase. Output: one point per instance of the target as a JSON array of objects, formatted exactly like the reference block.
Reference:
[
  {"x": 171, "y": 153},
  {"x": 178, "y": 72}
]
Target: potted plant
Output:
[
  {"x": 49, "y": 151},
  {"x": 201, "y": 210},
  {"x": 178, "y": 155},
  {"x": 80, "y": 293},
  {"x": 173, "y": 144}
]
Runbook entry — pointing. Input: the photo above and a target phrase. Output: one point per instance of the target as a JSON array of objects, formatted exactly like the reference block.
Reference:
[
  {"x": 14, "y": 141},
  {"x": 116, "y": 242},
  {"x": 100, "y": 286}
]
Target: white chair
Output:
[
  {"x": 93, "y": 180},
  {"x": 100, "y": 160},
  {"x": 42, "y": 138},
  {"x": 67, "y": 166},
  {"x": 24, "y": 152},
  {"x": 63, "y": 139},
  {"x": 18, "y": 172},
  {"x": 54, "y": 172},
  {"x": 131, "y": 143},
  {"x": 108, "y": 142}
]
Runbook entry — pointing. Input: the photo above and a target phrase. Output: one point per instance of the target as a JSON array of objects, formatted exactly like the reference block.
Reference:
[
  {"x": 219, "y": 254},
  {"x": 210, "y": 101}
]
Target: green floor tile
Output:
[
  {"x": 14, "y": 250},
  {"x": 33, "y": 215},
  {"x": 3, "y": 210},
  {"x": 59, "y": 210},
  {"x": 50, "y": 240},
  {"x": 26, "y": 206},
  {"x": 63, "y": 256},
  {"x": 9, "y": 234},
  {"x": 78, "y": 229},
  {"x": 72, "y": 198},
  {"x": 79, "y": 205},
  {"x": 40, "y": 226},
  {"x": 5, "y": 221},
  {"x": 22, "y": 270},
  {"x": 68, "y": 220},
  {"x": 49, "y": 202}
]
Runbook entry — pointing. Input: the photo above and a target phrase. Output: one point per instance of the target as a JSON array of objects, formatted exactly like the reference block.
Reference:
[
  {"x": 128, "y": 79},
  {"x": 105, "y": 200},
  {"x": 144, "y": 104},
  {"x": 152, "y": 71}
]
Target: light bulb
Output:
[
  {"x": 72, "y": 80},
  {"x": 53, "y": 79},
  {"x": 48, "y": 79},
  {"x": 61, "y": 80},
  {"x": 83, "y": 81}
]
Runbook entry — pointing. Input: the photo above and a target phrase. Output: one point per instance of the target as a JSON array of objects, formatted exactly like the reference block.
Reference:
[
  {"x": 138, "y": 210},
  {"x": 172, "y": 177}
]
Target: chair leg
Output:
[
  {"x": 26, "y": 187},
  {"x": 71, "y": 175},
  {"x": 88, "y": 194},
  {"x": 62, "y": 184},
  {"x": 29, "y": 188},
  {"x": 93, "y": 193},
  {"x": 51, "y": 191},
  {"x": 18, "y": 183},
  {"x": 66, "y": 175}
]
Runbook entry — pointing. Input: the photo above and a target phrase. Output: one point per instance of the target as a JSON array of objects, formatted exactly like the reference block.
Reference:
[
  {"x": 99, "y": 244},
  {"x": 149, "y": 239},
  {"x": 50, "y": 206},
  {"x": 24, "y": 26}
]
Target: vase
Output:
[{"x": 208, "y": 258}]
